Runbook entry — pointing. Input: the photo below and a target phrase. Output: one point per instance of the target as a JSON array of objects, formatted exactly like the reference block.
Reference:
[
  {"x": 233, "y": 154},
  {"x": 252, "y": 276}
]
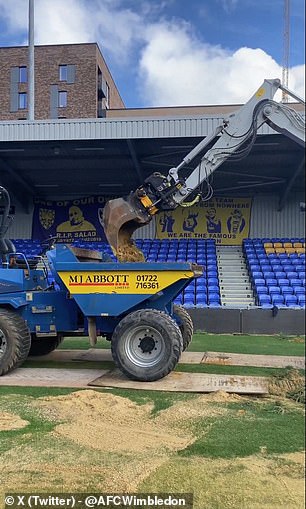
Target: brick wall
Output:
[{"x": 81, "y": 95}]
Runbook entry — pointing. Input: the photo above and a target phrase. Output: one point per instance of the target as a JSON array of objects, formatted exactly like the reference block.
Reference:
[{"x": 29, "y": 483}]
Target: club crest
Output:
[{"x": 46, "y": 218}]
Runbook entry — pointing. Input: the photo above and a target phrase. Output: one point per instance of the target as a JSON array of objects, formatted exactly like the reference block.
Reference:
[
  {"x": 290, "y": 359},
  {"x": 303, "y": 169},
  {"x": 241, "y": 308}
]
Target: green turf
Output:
[
  {"x": 253, "y": 344},
  {"x": 201, "y": 342},
  {"x": 230, "y": 370},
  {"x": 35, "y": 392},
  {"x": 244, "y": 427},
  {"x": 249, "y": 428},
  {"x": 82, "y": 343}
]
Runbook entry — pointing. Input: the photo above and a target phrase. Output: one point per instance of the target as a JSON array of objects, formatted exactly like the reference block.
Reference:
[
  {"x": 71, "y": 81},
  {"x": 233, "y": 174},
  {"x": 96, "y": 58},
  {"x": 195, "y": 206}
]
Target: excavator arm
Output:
[{"x": 234, "y": 137}]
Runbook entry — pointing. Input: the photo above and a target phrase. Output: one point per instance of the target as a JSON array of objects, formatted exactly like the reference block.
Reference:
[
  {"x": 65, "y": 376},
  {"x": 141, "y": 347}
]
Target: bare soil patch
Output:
[
  {"x": 107, "y": 443},
  {"x": 10, "y": 421},
  {"x": 111, "y": 423}
]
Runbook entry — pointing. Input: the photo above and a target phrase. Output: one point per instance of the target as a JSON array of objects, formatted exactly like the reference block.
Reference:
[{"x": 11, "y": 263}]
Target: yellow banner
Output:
[
  {"x": 226, "y": 220},
  {"x": 123, "y": 282}
]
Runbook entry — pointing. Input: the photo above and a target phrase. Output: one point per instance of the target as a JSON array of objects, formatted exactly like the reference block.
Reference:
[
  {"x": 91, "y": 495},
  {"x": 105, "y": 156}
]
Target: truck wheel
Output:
[
  {"x": 15, "y": 341},
  {"x": 185, "y": 324},
  {"x": 44, "y": 345},
  {"x": 146, "y": 345}
]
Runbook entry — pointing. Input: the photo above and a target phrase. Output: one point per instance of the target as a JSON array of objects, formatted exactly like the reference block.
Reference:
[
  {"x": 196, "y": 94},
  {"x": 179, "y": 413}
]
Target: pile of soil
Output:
[
  {"x": 112, "y": 423},
  {"x": 291, "y": 385},
  {"x": 10, "y": 421},
  {"x": 129, "y": 252}
]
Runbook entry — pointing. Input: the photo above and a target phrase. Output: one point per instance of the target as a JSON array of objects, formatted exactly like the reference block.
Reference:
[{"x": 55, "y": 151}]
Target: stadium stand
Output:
[
  {"x": 276, "y": 267},
  {"x": 277, "y": 270}
]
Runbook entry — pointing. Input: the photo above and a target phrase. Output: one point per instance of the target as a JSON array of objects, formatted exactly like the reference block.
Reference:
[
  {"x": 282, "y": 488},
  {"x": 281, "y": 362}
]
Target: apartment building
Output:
[{"x": 71, "y": 81}]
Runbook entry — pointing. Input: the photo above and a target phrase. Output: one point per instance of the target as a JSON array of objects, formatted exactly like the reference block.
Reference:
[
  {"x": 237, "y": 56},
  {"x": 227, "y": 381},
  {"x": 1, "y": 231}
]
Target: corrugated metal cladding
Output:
[
  {"x": 21, "y": 227},
  {"x": 266, "y": 221},
  {"x": 92, "y": 129}
]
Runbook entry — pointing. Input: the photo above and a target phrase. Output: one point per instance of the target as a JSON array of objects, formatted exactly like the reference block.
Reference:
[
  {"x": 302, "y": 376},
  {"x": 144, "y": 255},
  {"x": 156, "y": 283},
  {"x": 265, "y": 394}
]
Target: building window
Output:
[
  {"x": 63, "y": 72},
  {"x": 107, "y": 95},
  {"x": 22, "y": 101},
  {"x": 62, "y": 99},
  {"x": 23, "y": 74}
]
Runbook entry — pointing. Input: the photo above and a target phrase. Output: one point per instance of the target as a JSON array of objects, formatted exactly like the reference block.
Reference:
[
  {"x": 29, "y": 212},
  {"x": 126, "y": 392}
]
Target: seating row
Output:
[{"x": 278, "y": 278}]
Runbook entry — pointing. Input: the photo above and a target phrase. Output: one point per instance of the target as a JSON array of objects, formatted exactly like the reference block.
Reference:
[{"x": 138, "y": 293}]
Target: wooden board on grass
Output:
[
  {"x": 188, "y": 382},
  {"x": 222, "y": 358},
  {"x": 50, "y": 377}
]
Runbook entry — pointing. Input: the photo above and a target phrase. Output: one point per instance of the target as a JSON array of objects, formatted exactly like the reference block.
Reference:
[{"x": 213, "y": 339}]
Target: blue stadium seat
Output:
[
  {"x": 283, "y": 282},
  {"x": 277, "y": 267},
  {"x": 201, "y": 298},
  {"x": 269, "y": 275},
  {"x": 298, "y": 290},
  {"x": 265, "y": 300},
  {"x": 201, "y": 286},
  {"x": 265, "y": 267},
  {"x": 259, "y": 282},
  {"x": 287, "y": 290},
  {"x": 271, "y": 281},
  {"x": 296, "y": 282},
  {"x": 280, "y": 274},
  {"x": 294, "y": 261},
  {"x": 292, "y": 275},
  {"x": 291, "y": 300},
  {"x": 257, "y": 275},
  {"x": 287, "y": 268},
  {"x": 278, "y": 300},
  {"x": 262, "y": 290},
  {"x": 274, "y": 290}
]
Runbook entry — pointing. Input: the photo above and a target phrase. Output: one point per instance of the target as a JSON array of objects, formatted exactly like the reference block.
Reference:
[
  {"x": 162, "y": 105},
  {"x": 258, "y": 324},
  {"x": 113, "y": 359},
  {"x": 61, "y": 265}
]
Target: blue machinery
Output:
[{"x": 77, "y": 294}]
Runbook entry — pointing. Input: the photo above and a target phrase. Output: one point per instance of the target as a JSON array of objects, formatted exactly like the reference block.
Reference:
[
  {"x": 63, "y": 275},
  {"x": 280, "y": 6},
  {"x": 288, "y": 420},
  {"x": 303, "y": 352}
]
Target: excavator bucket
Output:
[{"x": 121, "y": 217}]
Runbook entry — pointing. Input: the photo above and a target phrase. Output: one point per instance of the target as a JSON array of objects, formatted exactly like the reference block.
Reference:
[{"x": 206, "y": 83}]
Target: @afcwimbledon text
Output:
[{"x": 98, "y": 500}]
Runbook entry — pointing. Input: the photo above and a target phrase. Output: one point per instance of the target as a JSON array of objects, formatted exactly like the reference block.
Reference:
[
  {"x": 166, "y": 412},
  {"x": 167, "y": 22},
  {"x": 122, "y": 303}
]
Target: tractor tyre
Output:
[
  {"x": 44, "y": 345},
  {"x": 146, "y": 345},
  {"x": 15, "y": 341},
  {"x": 185, "y": 324}
]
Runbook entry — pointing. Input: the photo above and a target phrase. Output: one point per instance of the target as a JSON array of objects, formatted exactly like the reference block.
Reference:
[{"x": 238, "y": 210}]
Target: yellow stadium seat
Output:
[
  {"x": 287, "y": 244},
  {"x": 297, "y": 244},
  {"x": 268, "y": 244},
  {"x": 277, "y": 244},
  {"x": 270, "y": 250},
  {"x": 290, "y": 250},
  {"x": 279, "y": 250},
  {"x": 300, "y": 250}
]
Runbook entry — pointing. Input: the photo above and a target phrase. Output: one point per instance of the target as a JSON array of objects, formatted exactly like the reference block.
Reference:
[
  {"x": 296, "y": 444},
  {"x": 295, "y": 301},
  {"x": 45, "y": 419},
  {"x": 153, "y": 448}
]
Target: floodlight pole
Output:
[{"x": 31, "y": 62}]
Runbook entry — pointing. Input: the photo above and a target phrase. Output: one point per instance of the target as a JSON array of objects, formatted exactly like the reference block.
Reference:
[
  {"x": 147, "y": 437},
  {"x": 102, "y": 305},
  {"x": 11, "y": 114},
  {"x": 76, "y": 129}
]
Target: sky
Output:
[{"x": 173, "y": 52}]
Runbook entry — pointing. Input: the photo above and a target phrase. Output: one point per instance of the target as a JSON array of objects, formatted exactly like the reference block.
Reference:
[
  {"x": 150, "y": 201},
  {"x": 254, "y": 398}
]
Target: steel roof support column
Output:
[
  {"x": 31, "y": 84},
  {"x": 24, "y": 187},
  {"x": 135, "y": 160},
  {"x": 289, "y": 184}
]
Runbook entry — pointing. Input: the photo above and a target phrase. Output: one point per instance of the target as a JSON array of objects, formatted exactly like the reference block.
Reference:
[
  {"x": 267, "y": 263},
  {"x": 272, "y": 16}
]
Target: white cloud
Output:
[
  {"x": 75, "y": 21},
  {"x": 174, "y": 67},
  {"x": 15, "y": 14},
  {"x": 61, "y": 22}
]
